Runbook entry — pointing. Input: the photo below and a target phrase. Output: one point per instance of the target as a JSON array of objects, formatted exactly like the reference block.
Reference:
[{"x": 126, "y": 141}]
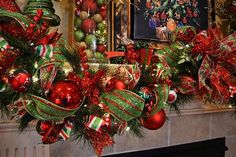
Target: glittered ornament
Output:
[
  {"x": 43, "y": 126},
  {"x": 19, "y": 80},
  {"x": 91, "y": 40},
  {"x": 98, "y": 55},
  {"x": 88, "y": 26},
  {"x": 97, "y": 18},
  {"x": 101, "y": 2},
  {"x": 52, "y": 133},
  {"x": 101, "y": 48},
  {"x": 101, "y": 26},
  {"x": 66, "y": 94},
  {"x": 103, "y": 11},
  {"x": 83, "y": 15},
  {"x": 78, "y": 22},
  {"x": 155, "y": 121},
  {"x": 89, "y": 6},
  {"x": 79, "y": 35},
  {"x": 172, "y": 96},
  {"x": 89, "y": 53},
  {"x": 107, "y": 83}
]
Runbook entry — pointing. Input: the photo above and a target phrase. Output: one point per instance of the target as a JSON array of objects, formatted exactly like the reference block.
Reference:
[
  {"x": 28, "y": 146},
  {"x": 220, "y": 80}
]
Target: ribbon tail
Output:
[
  {"x": 112, "y": 54},
  {"x": 65, "y": 132},
  {"x": 47, "y": 76}
]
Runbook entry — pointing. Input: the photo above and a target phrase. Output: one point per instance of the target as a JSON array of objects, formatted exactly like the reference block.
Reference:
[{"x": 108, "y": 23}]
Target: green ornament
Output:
[
  {"x": 83, "y": 15},
  {"x": 101, "y": 26},
  {"x": 79, "y": 35},
  {"x": 78, "y": 22},
  {"x": 90, "y": 39},
  {"x": 97, "y": 18},
  {"x": 101, "y": 2},
  {"x": 98, "y": 55},
  {"x": 89, "y": 53}
]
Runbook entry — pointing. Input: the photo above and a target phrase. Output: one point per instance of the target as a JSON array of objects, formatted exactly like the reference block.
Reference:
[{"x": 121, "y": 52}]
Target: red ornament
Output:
[
  {"x": 89, "y": 6},
  {"x": 52, "y": 134},
  {"x": 66, "y": 94},
  {"x": 172, "y": 97},
  {"x": 19, "y": 80},
  {"x": 101, "y": 48},
  {"x": 103, "y": 11},
  {"x": 108, "y": 83},
  {"x": 155, "y": 121},
  {"x": 88, "y": 26},
  {"x": 120, "y": 85},
  {"x": 43, "y": 126}
]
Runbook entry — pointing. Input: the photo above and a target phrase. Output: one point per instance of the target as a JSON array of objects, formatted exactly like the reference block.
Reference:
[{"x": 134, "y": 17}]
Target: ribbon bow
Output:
[{"x": 215, "y": 75}]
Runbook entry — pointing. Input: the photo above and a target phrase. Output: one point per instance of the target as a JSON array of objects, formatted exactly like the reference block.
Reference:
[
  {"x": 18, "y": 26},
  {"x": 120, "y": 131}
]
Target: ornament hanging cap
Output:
[{"x": 48, "y": 11}]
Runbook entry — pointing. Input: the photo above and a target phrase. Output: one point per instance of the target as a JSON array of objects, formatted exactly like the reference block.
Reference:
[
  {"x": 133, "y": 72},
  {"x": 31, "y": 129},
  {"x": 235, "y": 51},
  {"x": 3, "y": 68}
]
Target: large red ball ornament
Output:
[
  {"x": 155, "y": 121},
  {"x": 66, "y": 94},
  {"x": 89, "y": 6},
  {"x": 88, "y": 26},
  {"x": 19, "y": 80}
]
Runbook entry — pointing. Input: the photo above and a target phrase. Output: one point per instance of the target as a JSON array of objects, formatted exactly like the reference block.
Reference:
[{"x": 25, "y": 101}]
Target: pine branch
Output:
[
  {"x": 181, "y": 101},
  {"x": 136, "y": 128},
  {"x": 24, "y": 122}
]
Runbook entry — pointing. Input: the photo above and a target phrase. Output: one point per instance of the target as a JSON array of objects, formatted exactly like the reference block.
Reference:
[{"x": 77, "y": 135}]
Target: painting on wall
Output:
[{"x": 157, "y": 19}]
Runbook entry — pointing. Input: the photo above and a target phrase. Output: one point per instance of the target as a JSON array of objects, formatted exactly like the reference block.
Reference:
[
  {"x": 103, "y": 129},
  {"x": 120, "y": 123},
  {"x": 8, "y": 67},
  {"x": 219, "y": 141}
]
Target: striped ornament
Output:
[
  {"x": 123, "y": 104},
  {"x": 66, "y": 130}
]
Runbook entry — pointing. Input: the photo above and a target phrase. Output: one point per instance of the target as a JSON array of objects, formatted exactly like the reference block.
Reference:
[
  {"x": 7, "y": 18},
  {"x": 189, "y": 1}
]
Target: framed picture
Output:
[{"x": 157, "y": 19}]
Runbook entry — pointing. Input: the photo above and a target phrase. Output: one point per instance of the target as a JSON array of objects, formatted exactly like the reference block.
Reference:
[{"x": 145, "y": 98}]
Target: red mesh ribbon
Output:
[
  {"x": 9, "y": 5},
  {"x": 215, "y": 75},
  {"x": 98, "y": 140},
  {"x": 187, "y": 85}
]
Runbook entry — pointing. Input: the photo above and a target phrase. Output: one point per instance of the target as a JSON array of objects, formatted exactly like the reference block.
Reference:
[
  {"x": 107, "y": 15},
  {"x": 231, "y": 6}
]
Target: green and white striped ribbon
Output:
[
  {"x": 66, "y": 130},
  {"x": 45, "y": 51},
  {"x": 4, "y": 44},
  {"x": 95, "y": 123}
]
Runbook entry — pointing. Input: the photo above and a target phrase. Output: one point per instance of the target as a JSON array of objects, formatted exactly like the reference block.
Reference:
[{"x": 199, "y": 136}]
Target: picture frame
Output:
[{"x": 156, "y": 21}]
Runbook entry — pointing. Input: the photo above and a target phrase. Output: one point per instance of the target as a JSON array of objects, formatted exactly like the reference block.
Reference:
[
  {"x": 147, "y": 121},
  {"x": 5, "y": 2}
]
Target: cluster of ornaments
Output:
[{"x": 91, "y": 27}]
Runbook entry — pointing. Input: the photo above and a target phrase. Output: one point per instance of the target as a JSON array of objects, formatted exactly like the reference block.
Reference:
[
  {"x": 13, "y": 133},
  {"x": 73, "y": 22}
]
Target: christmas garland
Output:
[{"x": 45, "y": 81}]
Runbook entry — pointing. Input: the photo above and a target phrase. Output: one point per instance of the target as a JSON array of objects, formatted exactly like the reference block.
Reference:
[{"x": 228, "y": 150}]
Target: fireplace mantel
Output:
[{"x": 196, "y": 122}]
